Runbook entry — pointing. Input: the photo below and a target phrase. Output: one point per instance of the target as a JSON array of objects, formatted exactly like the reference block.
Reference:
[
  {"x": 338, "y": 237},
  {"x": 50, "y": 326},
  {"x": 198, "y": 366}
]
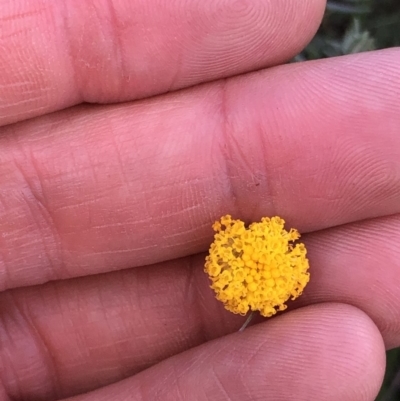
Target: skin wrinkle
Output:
[
  {"x": 5, "y": 273},
  {"x": 183, "y": 210},
  {"x": 113, "y": 343},
  {"x": 118, "y": 50},
  {"x": 194, "y": 296},
  {"x": 122, "y": 251},
  {"x": 251, "y": 355},
  {"x": 22, "y": 15},
  {"x": 40, "y": 340},
  {"x": 89, "y": 202},
  {"x": 117, "y": 150},
  {"x": 220, "y": 385},
  {"x": 35, "y": 78},
  {"x": 42, "y": 202},
  {"x": 10, "y": 367},
  {"x": 179, "y": 392},
  {"x": 232, "y": 149},
  {"x": 177, "y": 72},
  {"x": 24, "y": 103},
  {"x": 185, "y": 233},
  {"x": 68, "y": 38},
  {"x": 84, "y": 63},
  {"x": 3, "y": 395},
  {"x": 224, "y": 124},
  {"x": 263, "y": 178},
  {"x": 38, "y": 219}
]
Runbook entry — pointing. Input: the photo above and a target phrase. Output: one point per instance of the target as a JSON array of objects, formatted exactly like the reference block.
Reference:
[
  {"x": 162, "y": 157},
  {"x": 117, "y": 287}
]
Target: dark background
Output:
[{"x": 352, "y": 26}]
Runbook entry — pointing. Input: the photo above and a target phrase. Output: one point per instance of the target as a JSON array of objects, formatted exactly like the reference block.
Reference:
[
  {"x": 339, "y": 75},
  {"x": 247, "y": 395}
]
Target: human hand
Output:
[{"x": 105, "y": 210}]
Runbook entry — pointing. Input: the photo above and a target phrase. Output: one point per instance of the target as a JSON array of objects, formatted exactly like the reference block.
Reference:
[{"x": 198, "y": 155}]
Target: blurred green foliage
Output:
[
  {"x": 352, "y": 26},
  {"x": 390, "y": 390}
]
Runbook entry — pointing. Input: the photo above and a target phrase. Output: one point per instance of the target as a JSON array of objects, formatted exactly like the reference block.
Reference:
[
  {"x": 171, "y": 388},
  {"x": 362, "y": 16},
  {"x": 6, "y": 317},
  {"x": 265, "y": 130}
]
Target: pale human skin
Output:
[{"x": 91, "y": 193}]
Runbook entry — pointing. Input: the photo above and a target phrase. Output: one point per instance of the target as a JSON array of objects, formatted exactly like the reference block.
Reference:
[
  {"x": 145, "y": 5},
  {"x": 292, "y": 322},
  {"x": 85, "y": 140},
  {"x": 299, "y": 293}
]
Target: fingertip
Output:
[
  {"x": 121, "y": 51},
  {"x": 333, "y": 350}
]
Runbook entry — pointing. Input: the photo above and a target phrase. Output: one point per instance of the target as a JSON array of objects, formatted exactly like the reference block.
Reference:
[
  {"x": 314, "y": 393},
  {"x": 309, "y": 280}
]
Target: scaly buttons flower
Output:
[{"x": 256, "y": 268}]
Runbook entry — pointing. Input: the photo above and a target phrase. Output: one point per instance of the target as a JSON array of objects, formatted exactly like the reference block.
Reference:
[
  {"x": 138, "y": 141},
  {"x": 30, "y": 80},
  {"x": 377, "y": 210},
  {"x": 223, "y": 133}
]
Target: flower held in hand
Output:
[{"x": 256, "y": 268}]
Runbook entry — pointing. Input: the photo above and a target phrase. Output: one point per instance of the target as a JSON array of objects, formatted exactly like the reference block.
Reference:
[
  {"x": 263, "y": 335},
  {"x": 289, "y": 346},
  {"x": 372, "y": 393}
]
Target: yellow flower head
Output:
[{"x": 256, "y": 268}]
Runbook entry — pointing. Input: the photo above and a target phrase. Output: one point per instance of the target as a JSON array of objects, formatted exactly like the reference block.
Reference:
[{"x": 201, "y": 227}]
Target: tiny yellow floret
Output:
[{"x": 256, "y": 268}]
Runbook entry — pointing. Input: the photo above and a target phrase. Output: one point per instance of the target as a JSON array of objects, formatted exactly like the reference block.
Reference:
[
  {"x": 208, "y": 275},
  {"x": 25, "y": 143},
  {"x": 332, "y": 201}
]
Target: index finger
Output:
[
  {"x": 56, "y": 54},
  {"x": 96, "y": 189}
]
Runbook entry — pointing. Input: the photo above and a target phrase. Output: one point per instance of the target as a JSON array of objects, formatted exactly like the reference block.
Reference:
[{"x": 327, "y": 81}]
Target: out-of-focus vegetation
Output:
[
  {"x": 391, "y": 386},
  {"x": 352, "y": 26}
]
